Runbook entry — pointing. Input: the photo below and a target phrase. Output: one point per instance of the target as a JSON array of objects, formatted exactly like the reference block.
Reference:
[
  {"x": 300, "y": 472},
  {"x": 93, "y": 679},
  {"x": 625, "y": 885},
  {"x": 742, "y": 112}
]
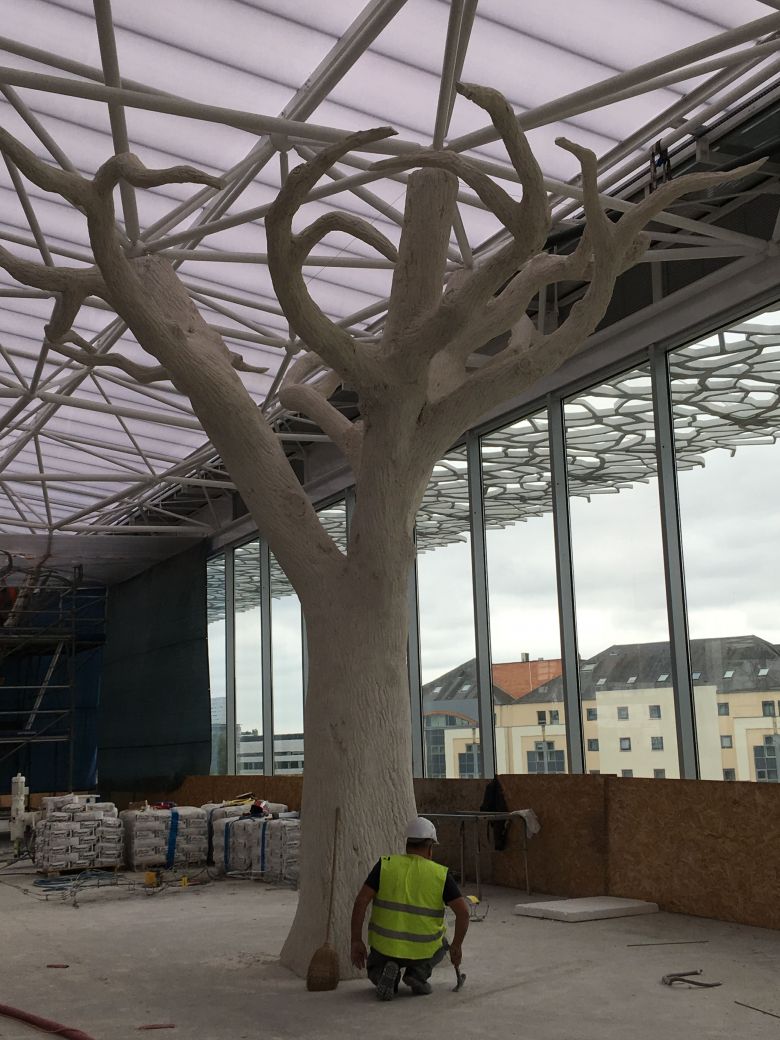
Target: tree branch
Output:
[
  {"x": 335, "y": 345},
  {"x": 356, "y": 227},
  {"x": 419, "y": 274},
  {"x": 527, "y": 221},
  {"x": 603, "y": 253},
  {"x": 309, "y": 401},
  {"x": 128, "y": 167},
  {"x": 238, "y": 363},
  {"x": 81, "y": 281},
  {"x": 72, "y": 186},
  {"x": 85, "y": 354}
]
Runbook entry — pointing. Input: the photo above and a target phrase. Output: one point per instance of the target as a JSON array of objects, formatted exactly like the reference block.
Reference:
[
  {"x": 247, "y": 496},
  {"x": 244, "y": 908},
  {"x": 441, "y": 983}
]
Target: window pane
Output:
[
  {"x": 287, "y": 644},
  {"x": 727, "y": 416},
  {"x": 523, "y": 601},
  {"x": 249, "y": 672},
  {"x": 215, "y": 635},
  {"x": 619, "y": 580},
  {"x": 287, "y": 673},
  {"x": 446, "y": 619}
]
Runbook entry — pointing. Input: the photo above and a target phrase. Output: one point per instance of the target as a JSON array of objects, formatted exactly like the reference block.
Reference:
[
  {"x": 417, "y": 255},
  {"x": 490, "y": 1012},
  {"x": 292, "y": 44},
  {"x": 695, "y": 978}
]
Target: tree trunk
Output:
[{"x": 358, "y": 755}]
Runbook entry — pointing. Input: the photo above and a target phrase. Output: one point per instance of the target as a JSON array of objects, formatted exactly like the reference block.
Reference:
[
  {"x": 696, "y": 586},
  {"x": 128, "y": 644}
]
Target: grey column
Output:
[
  {"x": 487, "y": 735},
  {"x": 230, "y": 663},
  {"x": 673, "y": 565},
  {"x": 265, "y": 658},
  {"x": 565, "y": 579}
]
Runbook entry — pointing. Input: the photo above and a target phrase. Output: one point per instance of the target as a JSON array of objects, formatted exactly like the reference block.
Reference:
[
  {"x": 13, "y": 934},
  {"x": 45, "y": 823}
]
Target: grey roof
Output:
[
  {"x": 745, "y": 657},
  {"x": 455, "y": 692}
]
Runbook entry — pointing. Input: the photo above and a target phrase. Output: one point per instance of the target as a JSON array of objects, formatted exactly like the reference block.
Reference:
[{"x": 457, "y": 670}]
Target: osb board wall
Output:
[
  {"x": 568, "y": 856},
  {"x": 698, "y": 847}
]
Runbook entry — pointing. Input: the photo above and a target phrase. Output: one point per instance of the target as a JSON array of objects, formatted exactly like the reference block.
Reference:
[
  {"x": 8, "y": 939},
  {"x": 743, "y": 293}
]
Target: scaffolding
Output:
[{"x": 39, "y": 642}]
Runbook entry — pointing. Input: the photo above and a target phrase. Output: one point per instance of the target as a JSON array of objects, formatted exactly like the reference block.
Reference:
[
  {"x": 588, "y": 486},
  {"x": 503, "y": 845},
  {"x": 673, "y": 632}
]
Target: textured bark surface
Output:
[
  {"x": 419, "y": 386},
  {"x": 358, "y": 755}
]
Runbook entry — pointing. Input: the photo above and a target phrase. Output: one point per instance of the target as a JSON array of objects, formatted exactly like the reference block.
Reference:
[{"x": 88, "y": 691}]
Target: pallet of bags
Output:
[
  {"x": 77, "y": 833},
  {"x": 165, "y": 837},
  {"x": 216, "y": 811},
  {"x": 259, "y": 847},
  {"x": 188, "y": 838}
]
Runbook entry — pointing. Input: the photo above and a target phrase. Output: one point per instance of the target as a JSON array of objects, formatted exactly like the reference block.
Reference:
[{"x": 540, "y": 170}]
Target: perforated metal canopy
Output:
[{"x": 246, "y": 89}]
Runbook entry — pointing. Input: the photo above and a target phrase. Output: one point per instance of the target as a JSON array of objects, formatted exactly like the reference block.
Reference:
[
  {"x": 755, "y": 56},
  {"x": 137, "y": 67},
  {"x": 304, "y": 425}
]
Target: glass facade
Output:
[
  {"x": 216, "y": 614},
  {"x": 726, "y": 414},
  {"x": 450, "y": 693},
  {"x": 641, "y": 672},
  {"x": 621, "y": 617},
  {"x": 286, "y": 673},
  {"x": 248, "y": 658},
  {"x": 523, "y": 598}
]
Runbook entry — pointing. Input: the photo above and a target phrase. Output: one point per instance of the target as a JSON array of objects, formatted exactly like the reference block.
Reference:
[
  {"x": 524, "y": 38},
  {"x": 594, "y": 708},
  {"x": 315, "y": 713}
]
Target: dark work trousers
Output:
[{"x": 419, "y": 970}]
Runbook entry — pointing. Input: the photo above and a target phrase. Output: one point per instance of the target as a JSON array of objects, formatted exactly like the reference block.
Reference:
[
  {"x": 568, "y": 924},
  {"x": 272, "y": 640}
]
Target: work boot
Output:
[
  {"x": 388, "y": 981},
  {"x": 419, "y": 987}
]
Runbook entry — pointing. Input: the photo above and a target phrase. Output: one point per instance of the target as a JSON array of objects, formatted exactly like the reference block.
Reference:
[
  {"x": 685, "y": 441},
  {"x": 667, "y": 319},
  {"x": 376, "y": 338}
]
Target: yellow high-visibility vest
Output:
[{"x": 407, "y": 916}]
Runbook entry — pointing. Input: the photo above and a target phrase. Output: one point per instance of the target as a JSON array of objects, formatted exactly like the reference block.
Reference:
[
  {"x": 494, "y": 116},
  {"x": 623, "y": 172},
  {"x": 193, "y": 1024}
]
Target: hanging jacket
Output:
[{"x": 407, "y": 916}]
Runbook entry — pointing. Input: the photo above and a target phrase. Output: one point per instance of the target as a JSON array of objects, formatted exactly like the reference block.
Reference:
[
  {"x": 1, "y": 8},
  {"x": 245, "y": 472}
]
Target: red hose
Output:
[{"x": 46, "y": 1024}]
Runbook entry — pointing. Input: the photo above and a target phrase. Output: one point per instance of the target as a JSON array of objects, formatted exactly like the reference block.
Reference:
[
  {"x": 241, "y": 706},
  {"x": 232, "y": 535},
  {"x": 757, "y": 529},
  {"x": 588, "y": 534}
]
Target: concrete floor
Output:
[{"x": 204, "y": 959}]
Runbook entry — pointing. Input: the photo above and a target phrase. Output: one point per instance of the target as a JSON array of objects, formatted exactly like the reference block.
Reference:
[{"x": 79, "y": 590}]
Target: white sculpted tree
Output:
[{"x": 418, "y": 389}]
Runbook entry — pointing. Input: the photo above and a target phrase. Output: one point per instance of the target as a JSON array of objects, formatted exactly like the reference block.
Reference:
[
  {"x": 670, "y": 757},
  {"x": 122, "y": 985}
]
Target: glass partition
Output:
[
  {"x": 626, "y": 690},
  {"x": 446, "y": 622},
  {"x": 727, "y": 418},
  {"x": 286, "y": 673},
  {"x": 215, "y": 637},
  {"x": 523, "y": 601},
  {"x": 248, "y": 658}
]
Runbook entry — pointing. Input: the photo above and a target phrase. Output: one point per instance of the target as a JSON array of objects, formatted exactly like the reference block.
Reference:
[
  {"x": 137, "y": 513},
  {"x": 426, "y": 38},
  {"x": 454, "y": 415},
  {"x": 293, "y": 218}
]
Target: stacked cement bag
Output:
[
  {"x": 165, "y": 837},
  {"x": 220, "y": 811},
  {"x": 259, "y": 847},
  {"x": 236, "y": 842},
  {"x": 216, "y": 811},
  {"x": 75, "y": 833},
  {"x": 282, "y": 848}
]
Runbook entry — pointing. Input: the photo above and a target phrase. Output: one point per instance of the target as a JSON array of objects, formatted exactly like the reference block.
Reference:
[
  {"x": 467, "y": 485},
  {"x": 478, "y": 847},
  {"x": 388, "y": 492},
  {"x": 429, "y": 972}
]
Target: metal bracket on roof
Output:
[{"x": 660, "y": 165}]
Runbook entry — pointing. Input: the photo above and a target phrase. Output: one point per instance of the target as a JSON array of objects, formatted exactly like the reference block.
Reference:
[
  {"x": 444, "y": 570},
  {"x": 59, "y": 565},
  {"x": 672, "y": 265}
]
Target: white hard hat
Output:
[{"x": 420, "y": 829}]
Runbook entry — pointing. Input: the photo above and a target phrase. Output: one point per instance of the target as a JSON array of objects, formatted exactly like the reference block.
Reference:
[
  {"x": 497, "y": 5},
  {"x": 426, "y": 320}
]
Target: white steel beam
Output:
[
  {"x": 116, "y": 113},
  {"x": 591, "y": 97},
  {"x": 76, "y": 477},
  {"x": 350, "y": 46},
  {"x": 452, "y": 68}
]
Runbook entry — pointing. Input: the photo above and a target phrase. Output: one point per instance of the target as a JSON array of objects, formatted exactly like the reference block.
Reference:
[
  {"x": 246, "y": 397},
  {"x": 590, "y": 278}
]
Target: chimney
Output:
[{"x": 525, "y": 658}]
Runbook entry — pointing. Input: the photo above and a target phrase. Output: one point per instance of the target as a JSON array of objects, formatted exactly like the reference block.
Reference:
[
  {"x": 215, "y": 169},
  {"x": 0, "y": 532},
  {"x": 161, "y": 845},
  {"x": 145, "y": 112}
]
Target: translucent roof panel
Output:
[{"x": 78, "y": 446}]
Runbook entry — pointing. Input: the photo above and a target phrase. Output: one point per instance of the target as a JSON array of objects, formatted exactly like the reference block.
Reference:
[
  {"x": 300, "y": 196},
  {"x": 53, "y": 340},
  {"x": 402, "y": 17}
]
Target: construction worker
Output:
[{"x": 406, "y": 930}]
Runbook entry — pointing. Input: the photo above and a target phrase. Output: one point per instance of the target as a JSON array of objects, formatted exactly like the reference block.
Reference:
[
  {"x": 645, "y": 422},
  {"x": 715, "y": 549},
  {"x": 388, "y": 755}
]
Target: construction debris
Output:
[{"x": 685, "y": 977}]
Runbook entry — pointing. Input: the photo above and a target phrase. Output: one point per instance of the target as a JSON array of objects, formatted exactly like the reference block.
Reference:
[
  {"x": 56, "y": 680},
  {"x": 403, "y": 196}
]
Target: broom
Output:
[{"x": 323, "y": 970}]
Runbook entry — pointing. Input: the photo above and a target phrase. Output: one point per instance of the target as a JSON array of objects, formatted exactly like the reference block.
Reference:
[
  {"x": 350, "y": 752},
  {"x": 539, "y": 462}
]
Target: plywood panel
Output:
[{"x": 697, "y": 847}]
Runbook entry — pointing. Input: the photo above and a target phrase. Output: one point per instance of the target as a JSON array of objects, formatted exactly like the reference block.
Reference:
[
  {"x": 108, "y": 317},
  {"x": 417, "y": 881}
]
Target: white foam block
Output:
[{"x": 592, "y": 908}]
